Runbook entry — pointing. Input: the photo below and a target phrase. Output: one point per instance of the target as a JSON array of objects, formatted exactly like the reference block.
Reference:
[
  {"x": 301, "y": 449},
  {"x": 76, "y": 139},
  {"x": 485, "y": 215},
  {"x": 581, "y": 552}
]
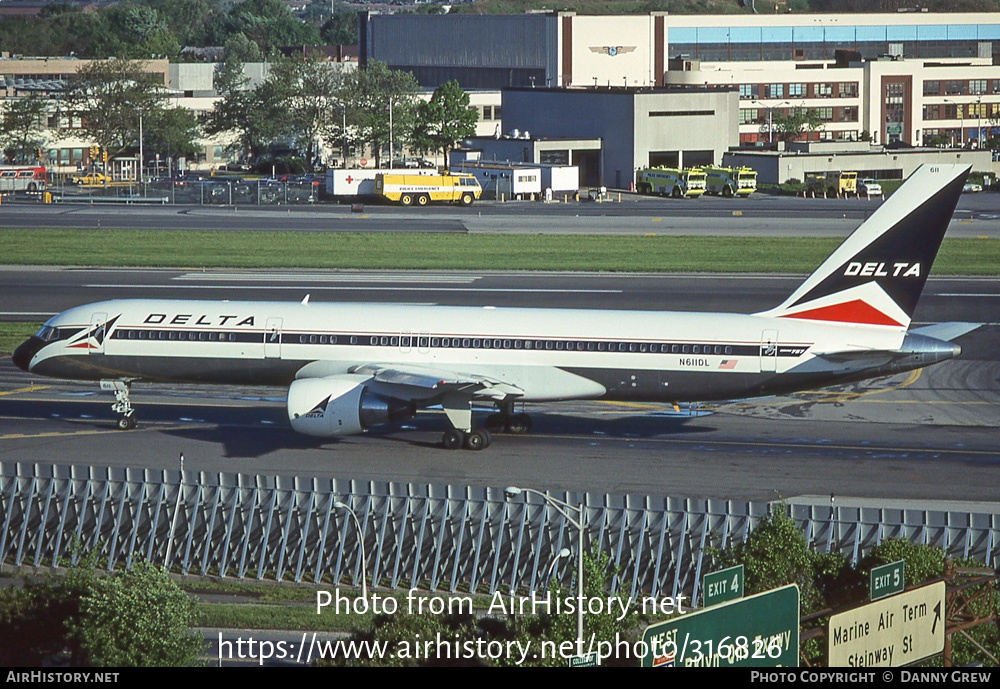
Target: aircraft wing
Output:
[{"x": 471, "y": 384}]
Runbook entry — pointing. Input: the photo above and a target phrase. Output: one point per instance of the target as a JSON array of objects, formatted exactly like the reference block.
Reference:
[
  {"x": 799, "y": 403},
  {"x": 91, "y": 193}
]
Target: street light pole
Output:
[
  {"x": 961, "y": 122},
  {"x": 361, "y": 543},
  {"x": 561, "y": 508},
  {"x": 770, "y": 117}
]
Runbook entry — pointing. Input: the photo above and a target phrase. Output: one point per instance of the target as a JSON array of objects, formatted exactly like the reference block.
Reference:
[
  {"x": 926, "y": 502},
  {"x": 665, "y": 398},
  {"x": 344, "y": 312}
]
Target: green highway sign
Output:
[
  {"x": 724, "y": 585},
  {"x": 887, "y": 580},
  {"x": 758, "y": 631}
]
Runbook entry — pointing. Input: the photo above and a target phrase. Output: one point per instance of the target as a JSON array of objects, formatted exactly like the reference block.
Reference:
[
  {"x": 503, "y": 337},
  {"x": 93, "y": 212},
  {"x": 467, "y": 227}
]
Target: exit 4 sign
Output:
[{"x": 724, "y": 585}]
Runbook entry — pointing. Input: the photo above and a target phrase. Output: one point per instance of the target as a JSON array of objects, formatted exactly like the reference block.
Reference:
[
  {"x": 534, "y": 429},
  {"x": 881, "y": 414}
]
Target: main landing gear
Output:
[
  {"x": 506, "y": 421},
  {"x": 459, "y": 411},
  {"x": 123, "y": 405}
]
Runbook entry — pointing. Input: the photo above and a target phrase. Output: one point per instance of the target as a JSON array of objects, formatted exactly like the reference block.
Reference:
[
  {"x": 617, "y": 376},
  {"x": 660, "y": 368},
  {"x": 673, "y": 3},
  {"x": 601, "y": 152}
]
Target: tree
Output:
[
  {"x": 138, "y": 618},
  {"x": 268, "y": 23},
  {"x": 173, "y": 132},
  {"x": 376, "y": 96},
  {"x": 254, "y": 116},
  {"x": 135, "y": 31},
  {"x": 312, "y": 88},
  {"x": 241, "y": 49},
  {"x": 22, "y": 127},
  {"x": 444, "y": 120},
  {"x": 107, "y": 96},
  {"x": 341, "y": 28},
  {"x": 797, "y": 122},
  {"x": 607, "y": 625}
]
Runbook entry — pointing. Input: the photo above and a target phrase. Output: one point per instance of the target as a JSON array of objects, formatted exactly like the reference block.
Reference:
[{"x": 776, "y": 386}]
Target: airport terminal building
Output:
[{"x": 915, "y": 77}]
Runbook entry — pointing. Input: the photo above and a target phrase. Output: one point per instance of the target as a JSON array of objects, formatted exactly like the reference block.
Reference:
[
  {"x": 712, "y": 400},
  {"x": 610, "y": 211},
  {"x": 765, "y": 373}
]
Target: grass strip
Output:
[
  {"x": 13, "y": 333},
  {"x": 400, "y": 251},
  {"x": 275, "y": 616}
]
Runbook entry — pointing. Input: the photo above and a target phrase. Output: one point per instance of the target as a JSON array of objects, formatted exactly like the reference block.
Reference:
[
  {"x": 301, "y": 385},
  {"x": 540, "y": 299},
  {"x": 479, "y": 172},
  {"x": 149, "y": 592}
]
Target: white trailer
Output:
[
  {"x": 360, "y": 182},
  {"x": 504, "y": 180},
  {"x": 561, "y": 179}
]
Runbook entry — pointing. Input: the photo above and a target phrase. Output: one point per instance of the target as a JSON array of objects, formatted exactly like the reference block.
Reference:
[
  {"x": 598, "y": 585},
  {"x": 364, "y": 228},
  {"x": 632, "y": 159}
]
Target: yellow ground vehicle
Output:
[
  {"x": 730, "y": 181},
  {"x": 91, "y": 179},
  {"x": 419, "y": 190},
  {"x": 837, "y": 183},
  {"x": 669, "y": 181}
]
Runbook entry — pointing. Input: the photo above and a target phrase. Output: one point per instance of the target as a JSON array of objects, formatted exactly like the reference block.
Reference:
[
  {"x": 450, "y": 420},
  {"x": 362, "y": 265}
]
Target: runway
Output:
[
  {"x": 925, "y": 435},
  {"x": 759, "y": 215}
]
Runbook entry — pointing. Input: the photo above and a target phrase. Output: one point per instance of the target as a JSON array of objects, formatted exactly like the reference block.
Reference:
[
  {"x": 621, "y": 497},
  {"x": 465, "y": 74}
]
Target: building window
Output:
[
  {"x": 774, "y": 91},
  {"x": 748, "y": 115},
  {"x": 796, "y": 90},
  {"x": 847, "y": 90},
  {"x": 932, "y": 88},
  {"x": 977, "y": 86},
  {"x": 824, "y": 90},
  {"x": 748, "y": 91},
  {"x": 954, "y": 88}
]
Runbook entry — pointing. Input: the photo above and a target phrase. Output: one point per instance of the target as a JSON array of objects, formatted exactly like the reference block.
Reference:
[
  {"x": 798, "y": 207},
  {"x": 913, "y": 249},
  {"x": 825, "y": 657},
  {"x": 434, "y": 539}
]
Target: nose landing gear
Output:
[{"x": 123, "y": 405}]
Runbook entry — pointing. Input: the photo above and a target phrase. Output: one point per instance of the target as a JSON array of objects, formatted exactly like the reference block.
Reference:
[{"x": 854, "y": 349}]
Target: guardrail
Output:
[{"x": 437, "y": 537}]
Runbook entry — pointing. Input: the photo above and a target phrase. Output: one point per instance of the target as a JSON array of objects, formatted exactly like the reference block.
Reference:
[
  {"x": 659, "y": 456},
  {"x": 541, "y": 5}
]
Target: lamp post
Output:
[
  {"x": 361, "y": 543},
  {"x": 563, "y": 552},
  {"x": 961, "y": 123},
  {"x": 561, "y": 507},
  {"x": 770, "y": 116},
  {"x": 343, "y": 132}
]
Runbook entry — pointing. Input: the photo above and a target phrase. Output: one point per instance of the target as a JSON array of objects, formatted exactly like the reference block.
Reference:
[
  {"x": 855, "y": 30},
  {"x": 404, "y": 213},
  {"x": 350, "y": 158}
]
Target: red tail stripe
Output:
[{"x": 856, "y": 311}]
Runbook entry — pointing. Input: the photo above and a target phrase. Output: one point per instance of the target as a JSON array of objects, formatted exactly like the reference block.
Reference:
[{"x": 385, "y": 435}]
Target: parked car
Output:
[
  {"x": 971, "y": 187},
  {"x": 869, "y": 187},
  {"x": 235, "y": 167},
  {"x": 91, "y": 179}
]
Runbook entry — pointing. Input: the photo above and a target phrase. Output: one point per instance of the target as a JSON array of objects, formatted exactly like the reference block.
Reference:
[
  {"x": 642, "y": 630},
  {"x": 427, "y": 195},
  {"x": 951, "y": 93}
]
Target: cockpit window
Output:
[{"x": 47, "y": 333}]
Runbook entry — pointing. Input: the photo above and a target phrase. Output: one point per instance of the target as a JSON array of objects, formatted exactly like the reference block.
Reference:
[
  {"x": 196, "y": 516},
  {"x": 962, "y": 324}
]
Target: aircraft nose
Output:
[{"x": 25, "y": 352}]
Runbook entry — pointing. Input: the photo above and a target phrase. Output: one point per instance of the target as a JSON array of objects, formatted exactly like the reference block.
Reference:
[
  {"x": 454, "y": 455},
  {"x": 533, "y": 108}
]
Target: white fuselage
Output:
[{"x": 549, "y": 354}]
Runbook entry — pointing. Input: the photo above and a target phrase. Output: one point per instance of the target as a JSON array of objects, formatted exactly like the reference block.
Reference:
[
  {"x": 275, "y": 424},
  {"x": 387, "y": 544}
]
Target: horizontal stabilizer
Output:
[{"x": 946, "y": 331}]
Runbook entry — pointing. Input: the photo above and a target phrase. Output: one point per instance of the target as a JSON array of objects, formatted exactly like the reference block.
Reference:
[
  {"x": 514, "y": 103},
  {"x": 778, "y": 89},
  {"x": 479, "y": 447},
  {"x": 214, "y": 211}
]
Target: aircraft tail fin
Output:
[{"x": 876, "y": 275}]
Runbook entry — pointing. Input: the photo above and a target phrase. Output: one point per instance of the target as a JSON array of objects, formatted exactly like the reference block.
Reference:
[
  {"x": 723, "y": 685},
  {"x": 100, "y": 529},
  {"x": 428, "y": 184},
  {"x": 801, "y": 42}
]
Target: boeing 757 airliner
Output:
[{"x": 351, "y": 366}]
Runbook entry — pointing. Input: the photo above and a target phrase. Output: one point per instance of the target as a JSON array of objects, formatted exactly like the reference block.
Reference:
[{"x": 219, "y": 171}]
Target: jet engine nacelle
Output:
[{"x": 341, "y": 405}]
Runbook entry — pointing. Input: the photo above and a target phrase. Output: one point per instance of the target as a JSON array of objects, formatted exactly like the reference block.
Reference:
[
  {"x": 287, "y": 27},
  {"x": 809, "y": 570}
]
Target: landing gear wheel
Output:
[
  {"x": 478, "y": 440},
  {"x": 519, "y": 424},
  {"x": 126, "y": 423},
  {"x": 453, "y": 439},
  {"x": 406, "y": 200}
]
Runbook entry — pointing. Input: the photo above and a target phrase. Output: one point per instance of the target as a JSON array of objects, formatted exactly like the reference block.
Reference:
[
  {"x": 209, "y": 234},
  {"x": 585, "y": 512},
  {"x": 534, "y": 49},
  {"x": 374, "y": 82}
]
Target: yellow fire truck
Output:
[
  {"x": 669, "y": 181},
  {"x": 730, "y": 181},
  {"x": 836, "y": 183},
  {"x": 419, "y": 190}
]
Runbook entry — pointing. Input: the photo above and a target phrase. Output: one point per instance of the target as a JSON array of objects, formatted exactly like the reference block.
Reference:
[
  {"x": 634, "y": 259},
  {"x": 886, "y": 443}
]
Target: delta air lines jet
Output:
[{"x": 351, "y": 366}]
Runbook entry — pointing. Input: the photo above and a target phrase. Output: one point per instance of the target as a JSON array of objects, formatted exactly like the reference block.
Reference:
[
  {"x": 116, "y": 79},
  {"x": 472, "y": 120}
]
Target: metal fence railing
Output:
[{"x": 437, "y": 537}]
